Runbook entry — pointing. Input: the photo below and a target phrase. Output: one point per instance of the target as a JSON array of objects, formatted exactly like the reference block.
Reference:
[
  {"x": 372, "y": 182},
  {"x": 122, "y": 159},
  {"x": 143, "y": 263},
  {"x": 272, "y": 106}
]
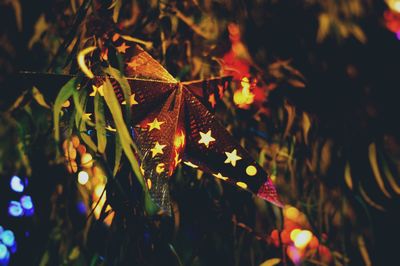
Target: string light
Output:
[{"x": 16, "y": 184}]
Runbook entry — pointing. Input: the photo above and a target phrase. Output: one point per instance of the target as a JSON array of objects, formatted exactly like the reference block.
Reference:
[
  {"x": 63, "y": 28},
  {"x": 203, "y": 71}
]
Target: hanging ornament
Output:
[{"x": 173, "y": 124}]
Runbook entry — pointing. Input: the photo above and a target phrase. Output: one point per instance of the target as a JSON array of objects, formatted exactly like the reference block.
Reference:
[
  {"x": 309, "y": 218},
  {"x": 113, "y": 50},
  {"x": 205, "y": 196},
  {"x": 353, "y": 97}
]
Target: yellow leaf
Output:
[
  {"x": 40, "y": 27},
  {"x": 74, "y": 253},
  {"x": 306, "y": 123},
  {"x": 359, "y": 33},
  {"x": 369, "y": 200},
  {"x": 364, "y": 251},
  {"x": 38, "y": 96},
  {"x": 271, "y": 262},
  {"x": 81, "y": 61},
  {"x": 375, "y": 169},
  {"x": 324, "y": 26},
  {"x": 347, "y": 176}
]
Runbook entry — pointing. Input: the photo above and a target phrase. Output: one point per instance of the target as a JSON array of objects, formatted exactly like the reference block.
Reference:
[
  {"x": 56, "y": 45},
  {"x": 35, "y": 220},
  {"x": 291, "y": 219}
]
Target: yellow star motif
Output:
[
  {"x": 158, "y": 149},
  {"x": 160, "y": 168},
  {"x": 232, "y": 157},
  {"x": 109, "y": 128},
  {"x": 132, "y": 100},
  {"x": 96, "y": 89},
  {"x": 86, "y": 116},
  {"x": 220, "y": 176},
  {"x": 155, "y": 124},
  {"x": 134, "y": 63},
  {"x": 206, "y": 138},
  {"x": 191, "y": 164},
  {"x": 122, "y": 48}
]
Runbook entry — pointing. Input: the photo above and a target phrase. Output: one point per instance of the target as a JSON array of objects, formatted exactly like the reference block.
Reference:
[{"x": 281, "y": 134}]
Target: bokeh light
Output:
[
  {"x": 8, "y": 238},
  {"x": 27, "y": 205},
  {"x": 83, "y": 177},
  {"x": 302, "y": 239},
  {"x": 15, "y": 209},
  {"x": 16, "y": 184}
]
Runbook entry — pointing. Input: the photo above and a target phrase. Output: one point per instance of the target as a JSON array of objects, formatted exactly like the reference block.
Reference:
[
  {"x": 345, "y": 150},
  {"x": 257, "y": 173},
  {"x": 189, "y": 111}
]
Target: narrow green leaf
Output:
[
  {"x": 66, "y": 91},
  {"x": 126, "y": 89},
  {"x": 39, "y": 98},
  {"x": 122, "y": 130},
  {"x": 100, "y": 123},
  {"x": 118, "y": 154}
]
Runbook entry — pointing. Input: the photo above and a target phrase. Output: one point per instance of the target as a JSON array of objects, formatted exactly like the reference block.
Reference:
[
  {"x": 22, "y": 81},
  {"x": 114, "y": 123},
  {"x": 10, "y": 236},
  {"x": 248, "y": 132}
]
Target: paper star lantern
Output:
[{"x": 173, "y": 123}]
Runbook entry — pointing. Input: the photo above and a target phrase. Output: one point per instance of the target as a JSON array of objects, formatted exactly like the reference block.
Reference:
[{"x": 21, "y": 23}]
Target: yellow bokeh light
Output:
[
  {"x": 302, "y": 239},
  {"x": 97, "y": 191},
  {"x": 87, "y": 160},
  {"x": 394, "y": 5},
  {"x": 241, "y": 184},
  {"x": 251, "y": 170},
  {"x": 294, "y": 234},
  {"x": 291, "y": 213},
  {"x": 83, "y": 177}
]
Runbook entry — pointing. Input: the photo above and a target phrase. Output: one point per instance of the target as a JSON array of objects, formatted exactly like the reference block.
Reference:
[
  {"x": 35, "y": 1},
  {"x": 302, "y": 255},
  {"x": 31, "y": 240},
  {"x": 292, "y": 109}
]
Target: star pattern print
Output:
[{"x": 173, "y": 124}]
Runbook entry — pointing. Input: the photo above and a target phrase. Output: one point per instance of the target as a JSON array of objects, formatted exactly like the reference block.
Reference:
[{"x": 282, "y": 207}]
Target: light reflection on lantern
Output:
[{"x": 244, "y": 97}]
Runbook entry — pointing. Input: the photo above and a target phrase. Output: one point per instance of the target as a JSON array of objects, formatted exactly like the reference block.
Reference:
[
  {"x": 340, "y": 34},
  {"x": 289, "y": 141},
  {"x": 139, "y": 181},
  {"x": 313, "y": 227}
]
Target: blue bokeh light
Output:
[
  {"x": 15, "y": 209},
  {"x": 8, "y": 238},
  {"x": 4, "y": 255},
  {"x": 27, "y": 205},
  {"x": 16, "y": 184}
]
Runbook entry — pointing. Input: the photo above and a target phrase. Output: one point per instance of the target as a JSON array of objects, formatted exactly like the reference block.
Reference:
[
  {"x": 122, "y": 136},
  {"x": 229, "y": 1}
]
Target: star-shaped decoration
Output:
[
  {"x": 184, "y": 106},
  {"x": 160, "y": 168},
  {"x": 87, "y": 116},
  {"x": 97, "y": 89},
  {"x": 155, "y": 124},
  {"x": 132, "y": 100},
  {"x": 122, "y": 48},
  {"x": 220, "y": 176},
  {"x": 206, "y": 138},
  {"x": 157, "y": 149},
  {"x": 232, "y": 157}
]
